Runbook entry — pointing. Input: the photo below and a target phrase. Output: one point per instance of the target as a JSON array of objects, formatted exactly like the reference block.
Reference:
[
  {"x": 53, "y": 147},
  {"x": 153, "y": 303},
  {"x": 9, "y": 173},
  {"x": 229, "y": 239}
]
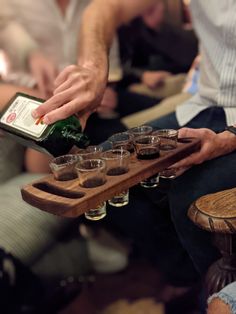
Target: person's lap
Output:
[{"x": 185, "y": 189}]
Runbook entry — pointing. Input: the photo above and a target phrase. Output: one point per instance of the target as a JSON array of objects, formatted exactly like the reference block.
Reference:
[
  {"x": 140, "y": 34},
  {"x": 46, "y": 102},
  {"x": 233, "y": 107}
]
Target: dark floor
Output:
[{"x": 140, "y": 280}]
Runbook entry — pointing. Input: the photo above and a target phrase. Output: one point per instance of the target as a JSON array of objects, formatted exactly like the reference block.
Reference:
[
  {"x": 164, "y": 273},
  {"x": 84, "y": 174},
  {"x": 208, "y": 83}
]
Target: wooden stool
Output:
[{"x": 217, "y": 213}]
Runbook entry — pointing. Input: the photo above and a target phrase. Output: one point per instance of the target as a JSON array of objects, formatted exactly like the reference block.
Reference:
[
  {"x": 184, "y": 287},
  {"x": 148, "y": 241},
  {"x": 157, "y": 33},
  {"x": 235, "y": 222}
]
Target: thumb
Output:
[{"x": 83, "y": 119}]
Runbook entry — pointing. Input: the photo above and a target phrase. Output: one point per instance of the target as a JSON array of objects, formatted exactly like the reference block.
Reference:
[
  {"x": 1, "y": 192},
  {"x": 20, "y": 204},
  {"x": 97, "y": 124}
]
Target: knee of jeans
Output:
[{"x": 218, "y": 306}]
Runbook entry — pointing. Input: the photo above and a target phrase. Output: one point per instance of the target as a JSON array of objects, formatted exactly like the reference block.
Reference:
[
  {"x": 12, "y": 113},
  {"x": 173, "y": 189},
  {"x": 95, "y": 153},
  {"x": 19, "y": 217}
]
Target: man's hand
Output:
[
  {"x": 153, "y": 79},
  {"x": 79, "y": 90},
  {"x": 44, "y": 72},
  {"x": 212, "y": 145}
]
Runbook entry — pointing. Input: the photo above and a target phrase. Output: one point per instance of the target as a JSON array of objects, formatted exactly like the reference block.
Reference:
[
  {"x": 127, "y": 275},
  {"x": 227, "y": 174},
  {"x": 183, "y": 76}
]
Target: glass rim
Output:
[
  {"x": 124, "y": 153},
  {"x": 100, "y": 164},
  {"x": 110, "y": 139},
  {"x": 167, "y": 131},
  {"x": 73, "y": 158},
  {"x": 98, "y": 149},
  {"x": 138, "y": 138},
  {"x": 132, "y": 130}
]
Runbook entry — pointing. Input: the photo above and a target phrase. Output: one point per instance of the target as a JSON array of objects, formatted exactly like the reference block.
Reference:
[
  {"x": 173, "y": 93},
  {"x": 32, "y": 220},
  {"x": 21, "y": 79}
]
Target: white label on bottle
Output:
[{"x": 18, "y": 116}]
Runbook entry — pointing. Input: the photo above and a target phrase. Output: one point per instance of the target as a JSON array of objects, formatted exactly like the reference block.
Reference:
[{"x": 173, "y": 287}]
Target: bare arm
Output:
[
  {"x": 79, "y": 88},
  {"x": 99, "y": 25}
]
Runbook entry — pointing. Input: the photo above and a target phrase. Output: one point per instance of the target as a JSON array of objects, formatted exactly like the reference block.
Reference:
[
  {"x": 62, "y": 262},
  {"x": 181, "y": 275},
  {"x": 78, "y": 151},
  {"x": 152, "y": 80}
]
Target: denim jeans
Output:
[{"x": 228, "y": 296}]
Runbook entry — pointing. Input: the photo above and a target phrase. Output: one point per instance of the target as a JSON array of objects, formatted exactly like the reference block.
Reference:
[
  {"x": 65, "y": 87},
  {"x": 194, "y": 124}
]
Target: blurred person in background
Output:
[
  {"x": 153, "y": 49},
  {"x": 155, "y": 53},
  {"x": 168, "y": 104},
  {"x": 40, "y": 39}
]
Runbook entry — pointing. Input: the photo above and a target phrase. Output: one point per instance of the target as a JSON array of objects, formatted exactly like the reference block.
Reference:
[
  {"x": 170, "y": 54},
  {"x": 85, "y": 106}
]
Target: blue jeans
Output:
[{"x": 228, "y": 296}]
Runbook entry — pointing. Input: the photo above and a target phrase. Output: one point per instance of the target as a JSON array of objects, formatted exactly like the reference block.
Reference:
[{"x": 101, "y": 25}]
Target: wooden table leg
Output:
[{"x": 223, "y": 271}]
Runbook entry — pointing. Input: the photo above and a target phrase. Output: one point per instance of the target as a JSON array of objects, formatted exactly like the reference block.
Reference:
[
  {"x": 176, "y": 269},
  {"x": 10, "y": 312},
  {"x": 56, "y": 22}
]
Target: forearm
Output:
[{"x": 99, "y": 24}]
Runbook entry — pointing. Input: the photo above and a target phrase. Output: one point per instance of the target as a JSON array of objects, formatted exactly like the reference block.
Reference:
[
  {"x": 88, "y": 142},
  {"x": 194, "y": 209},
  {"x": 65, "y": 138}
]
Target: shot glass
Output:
[
  {"x": 168, "y": 142},
  {"x": 92, "y": 173},
  {"x": 147, "y": 147},
  {"x": 140, "y": 130},
  {"x": 122, "y": 140},
  {"x": 63, "y": 167},
  {"x": 117, "y": 163},
  {"x": 91, "y": 152}
]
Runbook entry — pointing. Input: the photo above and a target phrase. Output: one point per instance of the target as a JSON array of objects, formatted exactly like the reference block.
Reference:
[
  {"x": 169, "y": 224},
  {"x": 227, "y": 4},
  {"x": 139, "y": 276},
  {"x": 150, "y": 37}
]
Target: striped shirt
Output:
[{"x": 215, "y": 25}]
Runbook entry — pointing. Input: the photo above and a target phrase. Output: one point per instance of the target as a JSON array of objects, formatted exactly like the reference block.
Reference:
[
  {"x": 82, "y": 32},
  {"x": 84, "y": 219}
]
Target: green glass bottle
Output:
[{"x": 55, "y": 139}]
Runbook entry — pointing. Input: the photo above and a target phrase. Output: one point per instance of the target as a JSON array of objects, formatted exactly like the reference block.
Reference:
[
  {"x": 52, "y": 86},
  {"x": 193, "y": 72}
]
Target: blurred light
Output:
[
  {"x": 3, "y": 64},
  {"x": 186, "y": 2}
]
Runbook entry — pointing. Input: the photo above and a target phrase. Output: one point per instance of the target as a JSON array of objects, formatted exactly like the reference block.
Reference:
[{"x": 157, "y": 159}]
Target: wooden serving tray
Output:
[{"x": 68, "y": 199}]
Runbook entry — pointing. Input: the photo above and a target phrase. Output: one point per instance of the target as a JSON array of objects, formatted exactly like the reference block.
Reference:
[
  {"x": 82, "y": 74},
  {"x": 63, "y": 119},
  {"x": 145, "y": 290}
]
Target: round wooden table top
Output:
[{"x": 215, "y": 212}]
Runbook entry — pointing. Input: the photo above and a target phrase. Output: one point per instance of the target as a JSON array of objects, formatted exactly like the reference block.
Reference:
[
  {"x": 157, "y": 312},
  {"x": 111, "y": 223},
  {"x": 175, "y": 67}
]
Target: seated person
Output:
[
  {"x": 170, "y": 103},
  {"x": 153, "y": 51}
]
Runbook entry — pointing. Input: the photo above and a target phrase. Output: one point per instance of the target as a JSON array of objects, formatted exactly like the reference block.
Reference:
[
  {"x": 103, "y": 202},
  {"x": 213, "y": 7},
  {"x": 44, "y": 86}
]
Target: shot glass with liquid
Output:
[
  {"x": 117, "y": 163},
  {"x": 147, "y": 147},
  {"x": 168, "y": 142},
  {"x": 92, "y": 173},
  {"x": 63, "y": 167},
  {"x": 140, "y": 130},
  {"x": 122, "y": 140}
]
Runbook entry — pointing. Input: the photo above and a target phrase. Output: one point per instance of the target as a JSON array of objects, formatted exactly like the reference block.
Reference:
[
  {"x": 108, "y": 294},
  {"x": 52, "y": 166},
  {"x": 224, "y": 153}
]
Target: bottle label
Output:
[{"x": 18, "y": 116}]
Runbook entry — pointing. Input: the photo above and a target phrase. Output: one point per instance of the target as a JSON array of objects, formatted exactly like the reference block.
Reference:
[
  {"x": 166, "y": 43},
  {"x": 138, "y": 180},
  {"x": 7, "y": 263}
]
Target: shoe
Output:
[{"x": 106, "y": 253}]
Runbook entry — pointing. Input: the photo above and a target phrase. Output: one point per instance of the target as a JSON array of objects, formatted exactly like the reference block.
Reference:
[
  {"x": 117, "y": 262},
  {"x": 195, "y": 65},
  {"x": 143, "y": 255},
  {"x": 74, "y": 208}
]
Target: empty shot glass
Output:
[
  {"x": 91, "y": 152},
  {"x": 63, "y": 167},
  {"x": 92, "y": 173},
  {"x": 147, "y": 147},
  {"x": 168, "y": 142},
  {"x": 140, "y": 130},
  {"x": 117, "y": 163},
  {"x": 122, "y": 140}
]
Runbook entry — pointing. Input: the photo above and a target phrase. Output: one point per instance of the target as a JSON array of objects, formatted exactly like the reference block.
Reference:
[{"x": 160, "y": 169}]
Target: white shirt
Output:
[
  {"x": 215, "y": 24},
  {"x": 27, "y": 25}
]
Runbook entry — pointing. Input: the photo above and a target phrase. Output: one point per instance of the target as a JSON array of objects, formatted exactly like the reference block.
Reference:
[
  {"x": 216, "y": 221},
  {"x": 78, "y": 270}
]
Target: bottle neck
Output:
[{"x": 77, "y": 138}]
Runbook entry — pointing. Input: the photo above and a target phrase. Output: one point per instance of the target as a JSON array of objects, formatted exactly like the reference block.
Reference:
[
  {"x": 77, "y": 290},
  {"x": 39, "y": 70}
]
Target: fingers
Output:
[
  {"x": 77, "y": 91},
  {"x": 62, "y": 77},
  {"x": 51, "y": 104},
  {"x": 186, "y": 162},
  {"x": 187, "y": 132},
  {"x": 63, "y": 112},
  {"x": 64, "y": 86},
  {"x": 83, "y": 119}
]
